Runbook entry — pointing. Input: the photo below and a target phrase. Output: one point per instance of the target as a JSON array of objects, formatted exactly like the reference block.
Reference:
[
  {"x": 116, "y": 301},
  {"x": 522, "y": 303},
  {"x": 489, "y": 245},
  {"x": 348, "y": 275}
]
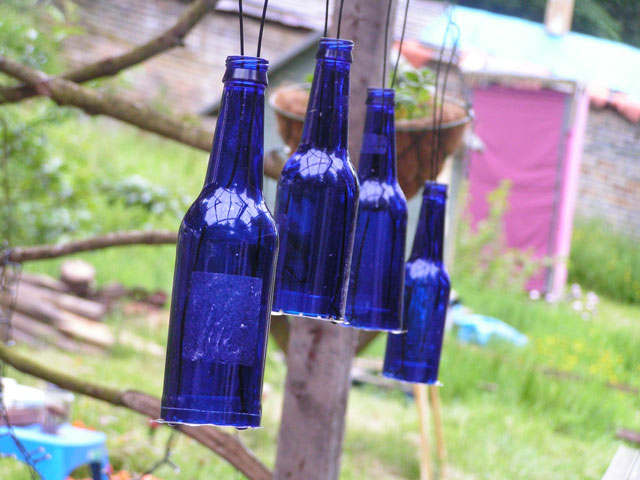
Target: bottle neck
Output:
[
  {"x": 378, "y": 154},
  {"x": 236, "y": 159},
  {"x": 429, "y": 240},
  {"x": 327, "y": 119}
]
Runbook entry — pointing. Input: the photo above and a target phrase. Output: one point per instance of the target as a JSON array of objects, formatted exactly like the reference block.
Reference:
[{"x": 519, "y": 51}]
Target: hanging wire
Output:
[
  {"x": 386, "y": 46},
  {"x": 340, "y": 19},
  {"x": 264, "y": 15},
  {"x": 326, "y": 18},
  {"x": 241, "y": 27},
  {"x": 437, "y": 123},
  {"x": 404, "y": 28},
  {"x": 454, "y": 49},
  {"x": 166, "y": 457}
]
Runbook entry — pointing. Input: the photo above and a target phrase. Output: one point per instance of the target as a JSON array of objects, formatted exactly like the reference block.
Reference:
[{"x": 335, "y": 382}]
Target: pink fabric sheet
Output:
[{"x": 522, "y": 134}]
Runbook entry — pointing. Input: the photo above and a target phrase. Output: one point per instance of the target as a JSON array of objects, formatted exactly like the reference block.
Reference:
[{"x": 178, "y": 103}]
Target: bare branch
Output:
[
  {"x": 64, "y": 92},
  {"x": 168, "y": 39},
  {"x": 225, "y": 445},
  {"x": 40, "y": 252}
]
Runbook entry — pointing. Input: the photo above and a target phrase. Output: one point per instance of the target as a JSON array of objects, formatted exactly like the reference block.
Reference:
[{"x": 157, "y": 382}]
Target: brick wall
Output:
[{"x": 610, "y": 178}]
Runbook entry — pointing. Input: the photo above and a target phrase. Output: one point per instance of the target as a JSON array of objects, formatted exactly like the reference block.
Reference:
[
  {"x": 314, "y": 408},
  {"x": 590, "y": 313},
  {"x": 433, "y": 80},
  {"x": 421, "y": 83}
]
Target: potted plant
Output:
[{"x": 414, "y": 125}]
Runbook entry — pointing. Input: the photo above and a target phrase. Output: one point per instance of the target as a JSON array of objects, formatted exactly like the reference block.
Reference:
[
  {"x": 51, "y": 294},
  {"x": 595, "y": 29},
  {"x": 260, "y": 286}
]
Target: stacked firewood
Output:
[{"x": 60, "y": 312}]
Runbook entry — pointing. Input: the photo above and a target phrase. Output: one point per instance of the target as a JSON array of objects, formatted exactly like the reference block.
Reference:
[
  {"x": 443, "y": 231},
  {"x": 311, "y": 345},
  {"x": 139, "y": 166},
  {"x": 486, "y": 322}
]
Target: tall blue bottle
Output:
[
  {"x": 414, "y": 356},
  {"x": 317, "y": 198},
  {"x": 225, "y": 265},
  {"x": 376, "y": 285}
]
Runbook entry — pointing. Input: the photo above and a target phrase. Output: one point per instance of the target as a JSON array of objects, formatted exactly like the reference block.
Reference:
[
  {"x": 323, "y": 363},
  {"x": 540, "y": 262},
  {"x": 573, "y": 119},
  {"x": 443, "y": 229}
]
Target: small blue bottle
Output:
[
  {"x": 317, "y": 198},
  {"x": 376, "y": 285},
  {"x": 225, "y": 265},
  {"x": 414, "y": 356}
]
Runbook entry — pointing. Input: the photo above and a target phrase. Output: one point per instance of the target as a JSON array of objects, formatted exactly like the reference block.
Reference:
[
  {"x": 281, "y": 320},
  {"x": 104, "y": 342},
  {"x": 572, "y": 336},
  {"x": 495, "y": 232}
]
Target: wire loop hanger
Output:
[
  {"x": 386, "y": 45},
  {"x": 262, "y": 22}
]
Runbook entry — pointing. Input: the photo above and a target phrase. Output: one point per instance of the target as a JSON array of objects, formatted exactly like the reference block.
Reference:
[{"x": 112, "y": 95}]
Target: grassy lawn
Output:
[{"x": 546, "y": 411}]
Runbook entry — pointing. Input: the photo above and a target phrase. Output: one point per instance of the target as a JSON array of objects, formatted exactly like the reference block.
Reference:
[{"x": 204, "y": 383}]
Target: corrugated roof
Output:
[{"x": 519, "y": 44}]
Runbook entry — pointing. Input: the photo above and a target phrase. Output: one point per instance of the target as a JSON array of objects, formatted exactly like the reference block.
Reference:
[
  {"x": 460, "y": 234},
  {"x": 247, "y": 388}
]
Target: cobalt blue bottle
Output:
[
  {"x": 317, "y": 198},
  {"x": 376, "y": 285},
  {"x": 414, "y": 356},
  {"x": 225, "y": 265}
]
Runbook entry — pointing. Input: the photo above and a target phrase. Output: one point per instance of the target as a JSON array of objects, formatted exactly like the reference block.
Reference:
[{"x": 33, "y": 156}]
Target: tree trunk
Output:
[{"x": 320, "y": 354}]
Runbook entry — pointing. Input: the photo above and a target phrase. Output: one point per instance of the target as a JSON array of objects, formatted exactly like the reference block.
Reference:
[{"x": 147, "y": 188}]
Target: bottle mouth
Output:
[
  {"x": 337, "y": 49},
  {"x": 381, "y": 96},
  {"x": 434, "y": 189},
  {"x": 247, "y": 69}
]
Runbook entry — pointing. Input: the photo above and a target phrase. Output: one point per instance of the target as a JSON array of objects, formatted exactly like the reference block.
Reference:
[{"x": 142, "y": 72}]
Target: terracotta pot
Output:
[{"x": 414, "y": 138}]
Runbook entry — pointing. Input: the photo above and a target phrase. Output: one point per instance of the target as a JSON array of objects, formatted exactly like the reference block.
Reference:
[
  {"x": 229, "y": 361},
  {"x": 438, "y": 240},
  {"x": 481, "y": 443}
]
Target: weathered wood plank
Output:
[{"x": 625, "y": 465}]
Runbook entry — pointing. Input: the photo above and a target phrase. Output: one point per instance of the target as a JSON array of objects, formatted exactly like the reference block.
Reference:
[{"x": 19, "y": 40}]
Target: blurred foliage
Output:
[
  {"x": 42, "y": 200},
  {"x": 137, "y": 191},
  {"x": 612, "y": 19},
  {"x": 413, "y": 93},
  {"x": 482, "y": 255},
  {"x": 605, "y": 260},
  {"x": 54, "y": 190}
]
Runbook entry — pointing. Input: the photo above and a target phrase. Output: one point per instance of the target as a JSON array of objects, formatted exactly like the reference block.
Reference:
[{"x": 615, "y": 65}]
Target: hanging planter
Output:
[{"x": 414, "y": 138}]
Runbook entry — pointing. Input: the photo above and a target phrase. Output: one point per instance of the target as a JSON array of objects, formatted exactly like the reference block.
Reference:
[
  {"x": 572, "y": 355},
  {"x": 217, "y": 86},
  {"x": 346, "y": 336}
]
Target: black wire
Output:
[
  {"x": 326, "y": 18},
  {"x": 340, "y": 19},
  {"x": 435, "y": 136},
  {"x": 404, "y": 27},
  {"x": 444, "y": 85},
  {"x": 264, "y": 15},
  {"x": 386, "y": 46},
  {"x": 241, "y": 27}
]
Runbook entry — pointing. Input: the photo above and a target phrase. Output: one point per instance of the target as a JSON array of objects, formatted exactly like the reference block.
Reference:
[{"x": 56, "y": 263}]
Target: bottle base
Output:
[
  {"x": 370, "y": 328},
  {"x": 435, "y": 383},
  {"x": 313, "y": 316},
  {"x": 197, "y": 418}
]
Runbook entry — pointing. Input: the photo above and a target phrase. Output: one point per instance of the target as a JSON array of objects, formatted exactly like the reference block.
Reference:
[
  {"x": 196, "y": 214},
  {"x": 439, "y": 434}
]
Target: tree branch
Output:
[
  {"x": 41, "y": 252},
  {"x": 64, "y": 92},
  {"x": 168, "y": 39},
  {"x": 225, "y": 445}
]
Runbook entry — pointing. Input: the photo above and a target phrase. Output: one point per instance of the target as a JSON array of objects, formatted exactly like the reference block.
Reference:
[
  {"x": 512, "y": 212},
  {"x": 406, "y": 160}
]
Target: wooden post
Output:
[
  {"x": 319, "y": 354},
  {"x": 436, "y": 410},
  {"x": 426, "y": 467},
  {"x": 558, "y": 15}
]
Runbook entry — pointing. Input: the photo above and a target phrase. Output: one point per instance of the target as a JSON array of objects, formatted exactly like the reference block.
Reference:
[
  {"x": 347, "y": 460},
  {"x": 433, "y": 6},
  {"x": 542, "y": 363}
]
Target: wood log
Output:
[
  {"x": 21, "y": 336},
  {"x": 86, "y": 330},
  {"x": 33, "y": 307},
  {"x": 44, "y": 281},
  {"x": 79, "y": 275},
  {"x": 69, "y": 323},
  {"x": 49, "y": 335},
  {"x": 71, "y": 303},
  {"x": 628, "y": 435}
]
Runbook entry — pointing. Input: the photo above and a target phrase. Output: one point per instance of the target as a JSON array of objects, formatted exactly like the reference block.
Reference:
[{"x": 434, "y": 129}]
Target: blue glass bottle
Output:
[
  {"x": 317, "y": 198},
  {"x": 376, "y": 284},
  {"x": 414, "y": 356},
  {"x": 225, "y": 265}
]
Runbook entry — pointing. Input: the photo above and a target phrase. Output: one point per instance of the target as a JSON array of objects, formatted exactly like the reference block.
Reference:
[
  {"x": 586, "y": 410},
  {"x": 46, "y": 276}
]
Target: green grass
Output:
[
  {"x": 546, "y": 411},
  {"x": 605, "y": 261}
]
